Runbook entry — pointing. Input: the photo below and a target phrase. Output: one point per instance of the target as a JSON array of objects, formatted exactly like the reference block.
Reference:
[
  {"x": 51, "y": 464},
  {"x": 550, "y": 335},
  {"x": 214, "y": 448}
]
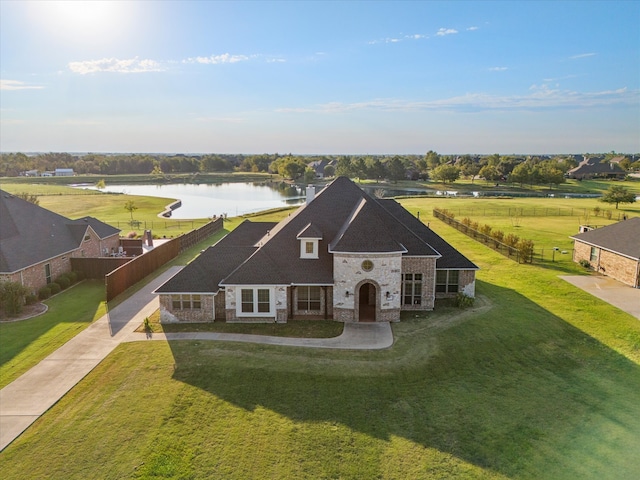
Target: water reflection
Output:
[{"x": 207, "y": 200}]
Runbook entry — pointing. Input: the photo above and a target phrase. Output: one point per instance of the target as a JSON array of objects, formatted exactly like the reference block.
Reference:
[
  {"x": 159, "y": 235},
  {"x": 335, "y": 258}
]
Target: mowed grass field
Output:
[{"x": 538, "y": 380}]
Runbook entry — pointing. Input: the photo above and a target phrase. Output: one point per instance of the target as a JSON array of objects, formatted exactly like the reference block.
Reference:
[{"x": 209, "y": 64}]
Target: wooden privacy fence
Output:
[
  {"x": 138, "y": 268},
  {"x": 97, "y": 268}
]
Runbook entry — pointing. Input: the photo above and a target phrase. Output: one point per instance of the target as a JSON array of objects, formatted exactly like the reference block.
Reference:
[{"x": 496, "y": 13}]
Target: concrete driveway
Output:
[{"x": 611, "y": 291}]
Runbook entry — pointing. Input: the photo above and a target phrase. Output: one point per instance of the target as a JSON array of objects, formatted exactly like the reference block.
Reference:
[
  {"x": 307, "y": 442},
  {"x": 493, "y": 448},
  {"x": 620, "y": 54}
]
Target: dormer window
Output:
[{"x": 309, "y": 239}]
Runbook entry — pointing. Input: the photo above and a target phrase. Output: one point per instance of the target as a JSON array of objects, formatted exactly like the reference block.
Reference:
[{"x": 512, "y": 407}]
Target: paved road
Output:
[
  {"x": 611, "y": 291},
  {"x": 32, "y": 394}
]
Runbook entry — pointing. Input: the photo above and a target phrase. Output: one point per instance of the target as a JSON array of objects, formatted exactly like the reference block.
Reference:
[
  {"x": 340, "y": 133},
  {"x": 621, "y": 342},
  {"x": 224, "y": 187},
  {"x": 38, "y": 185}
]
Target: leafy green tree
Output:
[
  {"x": 344, "y": 168},
  {"x": 130, "y": 207},
  {"x": 618, "y": 194},
  {"x": 100, "y": 184},
  {"x": 446, "y": 173},
  {"x": 309, "y": 175},
  {"x": 489, "y": 173},
  {"x": 396, "y": 169},
  {"x": 432, "y": 159},
  {"x": 329, "y": 171}
]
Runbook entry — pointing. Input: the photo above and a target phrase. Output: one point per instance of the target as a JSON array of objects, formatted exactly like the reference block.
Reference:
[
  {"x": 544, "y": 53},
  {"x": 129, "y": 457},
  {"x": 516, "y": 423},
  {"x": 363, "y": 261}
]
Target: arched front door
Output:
[{"x": 367, "y": 303}]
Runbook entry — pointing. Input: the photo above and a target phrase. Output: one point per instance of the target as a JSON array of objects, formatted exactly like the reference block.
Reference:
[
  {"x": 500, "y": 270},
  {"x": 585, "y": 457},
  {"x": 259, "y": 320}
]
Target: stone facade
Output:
[
  {"x": 622, "y": 269},
  {"x": 350, "y": 275}
]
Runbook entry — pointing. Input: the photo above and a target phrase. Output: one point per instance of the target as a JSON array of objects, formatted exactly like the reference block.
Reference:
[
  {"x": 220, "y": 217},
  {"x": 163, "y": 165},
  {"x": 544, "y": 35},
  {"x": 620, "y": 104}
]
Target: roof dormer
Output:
[{"x": 309, "y": 238}]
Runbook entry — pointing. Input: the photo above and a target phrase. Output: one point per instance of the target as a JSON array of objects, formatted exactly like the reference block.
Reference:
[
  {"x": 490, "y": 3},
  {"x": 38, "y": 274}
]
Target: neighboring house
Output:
[
  {"x": 595, "y": 168},
  {"x": 63, "y": 172},
  {"x": 36, "y": 244},
  {"x": 319, "y": 165},
  {"x": 613, "y": 250},
  {"x": 31, "y": 173},
  {"x": 344, "y": 256}
]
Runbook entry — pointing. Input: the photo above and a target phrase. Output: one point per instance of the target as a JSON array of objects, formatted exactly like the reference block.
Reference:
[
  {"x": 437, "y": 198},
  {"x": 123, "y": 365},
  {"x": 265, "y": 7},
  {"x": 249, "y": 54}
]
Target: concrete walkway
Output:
[
  {"x": 611, "y": 291},
  {"x": 25, "y": 399}
]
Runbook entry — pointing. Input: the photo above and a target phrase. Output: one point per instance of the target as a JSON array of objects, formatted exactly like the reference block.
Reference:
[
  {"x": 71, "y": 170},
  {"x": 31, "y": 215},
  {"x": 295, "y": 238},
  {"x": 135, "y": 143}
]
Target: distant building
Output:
[
  {"x": 32, "y": 173},
  {"x": 63, "y": 172},
  {"x": 594, "y": 167}
]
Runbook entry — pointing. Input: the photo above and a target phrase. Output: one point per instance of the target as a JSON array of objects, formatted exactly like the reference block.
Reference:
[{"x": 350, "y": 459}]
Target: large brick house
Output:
[
  {"x": 344, "y": 255},
  {"x": 36, "y": 244},
  {"x": 613, "y": 250}
]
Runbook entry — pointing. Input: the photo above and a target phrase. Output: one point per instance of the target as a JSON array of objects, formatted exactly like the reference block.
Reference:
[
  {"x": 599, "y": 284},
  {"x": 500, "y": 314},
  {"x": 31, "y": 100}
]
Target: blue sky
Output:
[{"x": 320, "y": 77}]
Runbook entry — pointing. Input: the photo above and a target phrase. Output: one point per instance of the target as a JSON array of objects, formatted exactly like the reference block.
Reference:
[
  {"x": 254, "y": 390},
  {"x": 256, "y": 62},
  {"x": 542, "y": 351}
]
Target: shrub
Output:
[
  {"x": 463, "y": 301},
  {"x": 63, "y": 281},
  {"x": 498, "y": 236},
  {"x": 132, "y": 234},
  {"x": 511, "y": 239},
  {"x": 30, "y": 299},
  {"x": 55, "y": 288},
  {"x": 525, "y": 249},
  {"x": 44, "y": 293},
  {"x": 12, "y": 296},
  {"x": 585, "y": 263},
  {"x": 72, "y": 276}
]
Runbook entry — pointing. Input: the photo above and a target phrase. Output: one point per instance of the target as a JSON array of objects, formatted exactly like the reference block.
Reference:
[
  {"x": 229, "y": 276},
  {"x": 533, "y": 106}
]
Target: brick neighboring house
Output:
[
  {"x": 595, "y": 168},
  {"x": 344, "y": 255},
  {"x": 613, "y": 250},
  {"x": 36, "y": 244}
]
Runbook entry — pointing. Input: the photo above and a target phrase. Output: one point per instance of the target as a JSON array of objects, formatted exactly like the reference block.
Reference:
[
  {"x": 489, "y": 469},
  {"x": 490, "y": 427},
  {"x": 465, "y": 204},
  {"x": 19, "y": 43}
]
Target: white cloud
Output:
[
  {"x": 217, "y": 59},
  {"x": 446, "y": 31},
  {"x": 17, "y": 85},
  {"x": 471, "y": 29},
  {"x": 539, "y": 97},
  {"x": 582, "y": 55},
  {"x": 498, "y": 69},
  {"x": 416, "y": 36},
  {"x": 276, "y": 60},
  {"x": 115, "y": 65}
]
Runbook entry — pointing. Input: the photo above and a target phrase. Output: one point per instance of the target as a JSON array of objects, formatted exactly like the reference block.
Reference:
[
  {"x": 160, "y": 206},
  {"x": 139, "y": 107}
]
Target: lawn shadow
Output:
[{"x": 515, "y": 390}]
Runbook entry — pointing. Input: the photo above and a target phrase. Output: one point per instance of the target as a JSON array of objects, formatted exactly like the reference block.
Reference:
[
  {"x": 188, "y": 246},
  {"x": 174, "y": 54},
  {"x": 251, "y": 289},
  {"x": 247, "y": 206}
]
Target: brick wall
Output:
[
  {"x": 203, "y": 314},
  {"x": 616, "y": 266},
  {"x": 427, "y": 267}
]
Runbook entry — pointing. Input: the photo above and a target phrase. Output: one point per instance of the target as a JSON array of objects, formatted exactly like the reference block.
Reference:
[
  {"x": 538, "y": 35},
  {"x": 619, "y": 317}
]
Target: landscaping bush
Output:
[
  {"x": 30, "y": 299},
  {"x": 511, "y": 240},
  {"x": 72, "y": 276},
  {"x": 44, "y": 293},
  {"x": 525, "y": 249},
  {"x": 12, "y": 295},
  {"x": 55, "y": 288},
  {"x": 585, "y": 263},
  {"x": 63, "y": 281},
  {"x": 463, "y": 301}
]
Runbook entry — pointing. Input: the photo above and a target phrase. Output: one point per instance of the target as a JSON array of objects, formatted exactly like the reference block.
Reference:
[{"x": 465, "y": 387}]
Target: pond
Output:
[{"x": 202, "y": 201}]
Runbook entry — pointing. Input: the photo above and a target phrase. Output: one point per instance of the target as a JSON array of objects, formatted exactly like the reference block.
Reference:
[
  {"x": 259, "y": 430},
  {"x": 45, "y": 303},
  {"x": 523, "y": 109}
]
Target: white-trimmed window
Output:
[
  {"x": 308, "y": 248},
  {"x": 412, "y": 288},
  {"x": 447, "y": 281},
  {"x": 309, "y": 298},
  {"x": 186, "y": 302},
  {"x": 593, "y": 257},
  {"x": 255, "y": 301}
]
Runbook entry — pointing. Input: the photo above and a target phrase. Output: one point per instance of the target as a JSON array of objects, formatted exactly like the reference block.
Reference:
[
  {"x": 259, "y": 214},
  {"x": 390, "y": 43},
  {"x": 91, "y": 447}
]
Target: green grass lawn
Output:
[
  {"x": 24, "y": 343},
  {"x": 538, "y": 380}
]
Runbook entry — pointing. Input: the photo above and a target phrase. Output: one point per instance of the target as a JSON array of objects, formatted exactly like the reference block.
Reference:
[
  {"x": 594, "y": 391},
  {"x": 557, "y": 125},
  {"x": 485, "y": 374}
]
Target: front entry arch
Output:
[{"x": 367, "y": 302}]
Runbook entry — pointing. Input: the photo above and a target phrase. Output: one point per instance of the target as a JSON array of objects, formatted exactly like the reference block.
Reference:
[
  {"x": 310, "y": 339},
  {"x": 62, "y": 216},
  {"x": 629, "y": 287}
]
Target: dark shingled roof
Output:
[
  {"x": 30, "y": 234},
  {"x": 204, "y": 273},
  {"x": 622, "y": 237},
  {"x": 342, "y": 216},
  {"x": 450, "y": 259}
]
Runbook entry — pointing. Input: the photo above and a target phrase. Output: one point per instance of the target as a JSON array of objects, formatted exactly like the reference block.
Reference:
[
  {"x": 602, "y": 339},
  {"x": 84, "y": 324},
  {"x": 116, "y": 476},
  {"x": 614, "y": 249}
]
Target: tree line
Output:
[{"x": 529, "y": 170}]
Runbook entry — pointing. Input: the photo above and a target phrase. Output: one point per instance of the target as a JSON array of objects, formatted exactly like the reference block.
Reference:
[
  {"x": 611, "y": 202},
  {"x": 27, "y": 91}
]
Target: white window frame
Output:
[
  {"x": 255, "y": 312},
  {"x": 303, "y": 248},
  {"x": 186, "y": 301}
]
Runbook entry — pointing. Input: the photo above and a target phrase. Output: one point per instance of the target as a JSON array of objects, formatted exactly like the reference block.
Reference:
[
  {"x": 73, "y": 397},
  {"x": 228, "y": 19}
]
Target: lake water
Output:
[{"x": 202, "y": 201}]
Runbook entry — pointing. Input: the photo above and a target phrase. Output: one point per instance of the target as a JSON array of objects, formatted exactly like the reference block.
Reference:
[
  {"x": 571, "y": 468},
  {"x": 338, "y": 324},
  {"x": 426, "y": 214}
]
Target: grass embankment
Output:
[{"x": 539, "y": 380}]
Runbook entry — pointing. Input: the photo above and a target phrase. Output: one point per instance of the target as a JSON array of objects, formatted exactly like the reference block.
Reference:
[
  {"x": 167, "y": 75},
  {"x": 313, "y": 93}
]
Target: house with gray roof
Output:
[
  {"x": 36, "y": 244},
  {"x": 344, "y": 255},
  {"x": 595, "y": 167},
  {"x": 613, "y": 250}
]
